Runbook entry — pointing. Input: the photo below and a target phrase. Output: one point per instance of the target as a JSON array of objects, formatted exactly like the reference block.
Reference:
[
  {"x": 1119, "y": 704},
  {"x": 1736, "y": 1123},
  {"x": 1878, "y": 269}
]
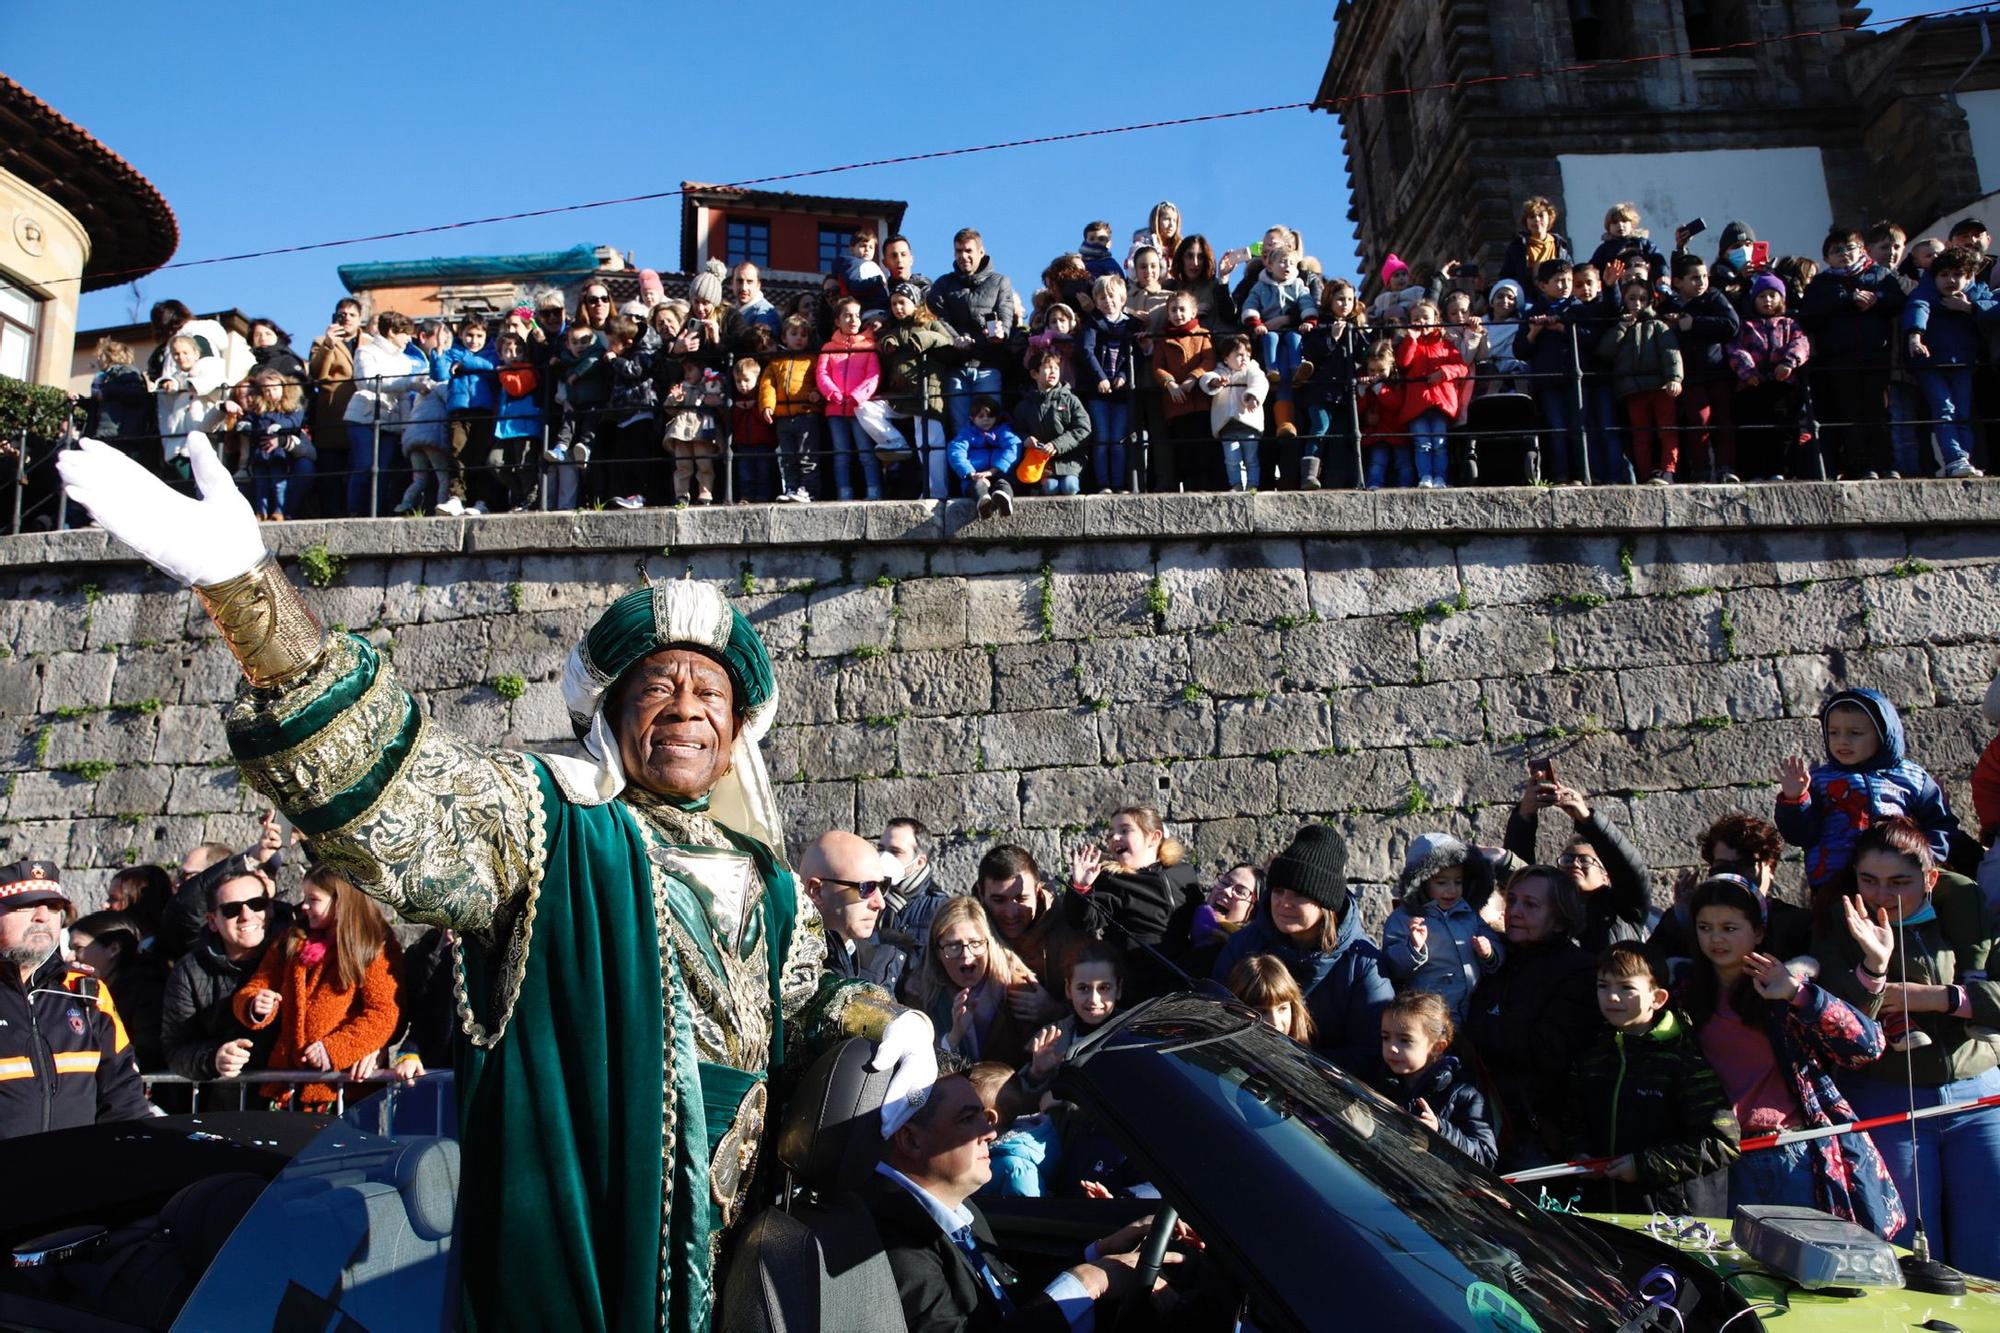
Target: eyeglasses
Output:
[
  {"x": 1582, "y": 859},
  {"x": 230, "y": 911},
  {"x": 863, "y": 888},
  {"x": 1234, "y": 891},
  {"x": 961, "y": 948}
]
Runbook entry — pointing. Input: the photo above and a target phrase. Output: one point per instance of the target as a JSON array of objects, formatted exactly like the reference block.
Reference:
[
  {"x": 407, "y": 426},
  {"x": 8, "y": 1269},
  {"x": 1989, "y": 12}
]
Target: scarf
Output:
[{"x": 314, "y": 952}]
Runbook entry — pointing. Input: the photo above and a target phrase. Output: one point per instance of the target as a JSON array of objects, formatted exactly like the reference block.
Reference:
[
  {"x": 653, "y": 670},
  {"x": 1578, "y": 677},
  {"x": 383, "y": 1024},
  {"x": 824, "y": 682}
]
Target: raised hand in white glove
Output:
[
  {"x": 205, "y": 541},
  {"x": 908, "y": 1051}
]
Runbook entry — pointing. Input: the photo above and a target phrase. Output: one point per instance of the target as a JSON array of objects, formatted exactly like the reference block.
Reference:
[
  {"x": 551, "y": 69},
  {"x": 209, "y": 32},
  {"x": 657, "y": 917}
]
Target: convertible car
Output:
[{"x": 1320, "y": 1206}]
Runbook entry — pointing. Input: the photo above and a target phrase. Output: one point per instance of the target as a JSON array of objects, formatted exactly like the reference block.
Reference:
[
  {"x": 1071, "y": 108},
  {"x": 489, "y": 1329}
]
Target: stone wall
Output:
[{"x": 1384, "y": 661}]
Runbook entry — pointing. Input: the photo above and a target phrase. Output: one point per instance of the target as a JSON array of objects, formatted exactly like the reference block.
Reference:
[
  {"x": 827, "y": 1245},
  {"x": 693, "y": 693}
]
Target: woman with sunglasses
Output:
[{"x": 202, "y": 1037}]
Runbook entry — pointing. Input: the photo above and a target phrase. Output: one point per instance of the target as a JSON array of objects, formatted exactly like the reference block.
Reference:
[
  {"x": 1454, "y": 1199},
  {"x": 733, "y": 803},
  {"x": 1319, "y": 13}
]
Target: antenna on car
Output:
[{"x": 1920, "y": 1271}]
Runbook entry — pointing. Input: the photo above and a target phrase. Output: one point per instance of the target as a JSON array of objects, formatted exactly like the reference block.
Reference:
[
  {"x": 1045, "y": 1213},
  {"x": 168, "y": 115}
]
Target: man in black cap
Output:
[{"x": 64, "y": 1056}]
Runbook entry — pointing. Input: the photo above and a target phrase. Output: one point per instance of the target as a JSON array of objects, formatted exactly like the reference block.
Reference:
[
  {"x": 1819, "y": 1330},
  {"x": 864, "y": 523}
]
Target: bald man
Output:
[{"x": 848, "y": 880}]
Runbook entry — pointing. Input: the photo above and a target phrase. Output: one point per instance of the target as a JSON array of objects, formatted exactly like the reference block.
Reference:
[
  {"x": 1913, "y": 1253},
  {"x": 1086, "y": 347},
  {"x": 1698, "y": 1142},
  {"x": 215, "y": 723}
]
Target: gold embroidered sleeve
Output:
[{"x": 444, "y": 831}]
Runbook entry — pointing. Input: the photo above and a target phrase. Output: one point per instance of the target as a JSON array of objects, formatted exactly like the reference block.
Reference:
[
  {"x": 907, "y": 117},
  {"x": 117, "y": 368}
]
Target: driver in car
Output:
[{"x": 948, "y": 1271}]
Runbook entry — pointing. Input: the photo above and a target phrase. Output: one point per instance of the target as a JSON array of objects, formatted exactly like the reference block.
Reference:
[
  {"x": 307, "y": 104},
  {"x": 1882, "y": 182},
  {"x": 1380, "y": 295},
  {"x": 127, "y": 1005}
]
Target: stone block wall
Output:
[{"x": 1386, "y": 661}]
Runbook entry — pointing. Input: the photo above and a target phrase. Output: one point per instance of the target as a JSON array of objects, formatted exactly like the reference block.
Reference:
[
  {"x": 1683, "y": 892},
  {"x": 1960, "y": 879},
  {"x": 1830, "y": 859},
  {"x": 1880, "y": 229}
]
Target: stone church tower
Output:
[{"x": 1686, "y": 107}]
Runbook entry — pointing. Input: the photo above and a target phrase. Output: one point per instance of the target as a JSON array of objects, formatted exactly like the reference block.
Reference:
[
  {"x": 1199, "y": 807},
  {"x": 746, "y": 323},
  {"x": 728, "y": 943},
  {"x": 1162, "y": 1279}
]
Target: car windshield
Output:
[
  {"x": 355, "y": 1231},
  {"x": 1328, "y": 1193}
]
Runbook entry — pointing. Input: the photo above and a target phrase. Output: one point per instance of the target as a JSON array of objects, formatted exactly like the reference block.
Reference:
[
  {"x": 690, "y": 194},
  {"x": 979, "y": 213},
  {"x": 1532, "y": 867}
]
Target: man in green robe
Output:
[{"x": 635, "y": 960}]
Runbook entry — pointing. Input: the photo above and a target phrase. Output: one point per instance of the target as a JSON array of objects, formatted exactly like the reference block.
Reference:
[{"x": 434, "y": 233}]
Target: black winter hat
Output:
[{"x": 1314, "y": 867}]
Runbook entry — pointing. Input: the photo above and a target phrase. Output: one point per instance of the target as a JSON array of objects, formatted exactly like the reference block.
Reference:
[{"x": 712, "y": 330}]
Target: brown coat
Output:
[
  {"x": 1178, "y": 357},
  {"x": 331, "y": 367},
  {"x": 349, "y": 1023}
]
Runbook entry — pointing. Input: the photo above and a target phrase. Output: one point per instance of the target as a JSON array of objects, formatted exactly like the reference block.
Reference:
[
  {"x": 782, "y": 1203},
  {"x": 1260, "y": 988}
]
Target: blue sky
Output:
[{"x": 270, "y": 125}]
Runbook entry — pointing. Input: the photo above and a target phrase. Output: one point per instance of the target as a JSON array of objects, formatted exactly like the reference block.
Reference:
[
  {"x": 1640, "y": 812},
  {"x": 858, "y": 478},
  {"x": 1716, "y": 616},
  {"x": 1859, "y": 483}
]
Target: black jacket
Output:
[
  {"x": 429, "y": 1003},
  {"x": 874, "y": 960},
  {"x": 941, "y": 1292},
  {"x": 1460, "y": 1107},
  {"x": 1619, "y": 911},
  {"x": 123, "y": 407},
  {"x": 64, "y": 1058},
  {"x": 965, "y": 301},
  {"x": 1705, "y": 347},
  {"x": 1845, "y": 338},
  {"x": 1154, "y": 906},
  {"x": 281, "y": 358},
  {"x": 1527, "y": 1023},
  {"x": 196, "y": 1017},
  {"x": 139, "y": 990},
  {"x": 1654, "y": 1095}
]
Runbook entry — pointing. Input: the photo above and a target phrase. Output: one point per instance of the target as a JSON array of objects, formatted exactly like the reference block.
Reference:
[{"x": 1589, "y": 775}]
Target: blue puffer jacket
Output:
[
  {"x": 1842, "y": 802},
  {"x": 1450, "y": 964},
  {"x": 1460, "y": 1107},
  {"x": 473, "y": 385},
  {"x": 1953, "y": 336},
  {"x": 1345, "y": 987}
]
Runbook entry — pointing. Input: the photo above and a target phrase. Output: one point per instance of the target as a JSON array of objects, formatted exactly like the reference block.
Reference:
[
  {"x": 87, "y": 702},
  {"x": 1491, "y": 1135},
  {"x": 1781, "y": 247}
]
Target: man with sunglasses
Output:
[
  {"x": 64, "y": 1058},
  {"x": 198, "y": 1026},
  {"x": 848, "y": 881}
]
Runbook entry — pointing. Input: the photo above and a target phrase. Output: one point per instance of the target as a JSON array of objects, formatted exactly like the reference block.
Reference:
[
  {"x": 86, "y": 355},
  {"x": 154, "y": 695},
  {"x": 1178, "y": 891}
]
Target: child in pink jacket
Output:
[
  {"x": 847, "y": 374},
  {"x": 1768, "y": 355}
]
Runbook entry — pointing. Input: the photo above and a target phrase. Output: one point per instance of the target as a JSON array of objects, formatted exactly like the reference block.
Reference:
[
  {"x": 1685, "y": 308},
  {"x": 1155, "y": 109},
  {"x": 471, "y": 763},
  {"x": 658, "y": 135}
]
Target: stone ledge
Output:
[{"x": 1792, "y": 506}]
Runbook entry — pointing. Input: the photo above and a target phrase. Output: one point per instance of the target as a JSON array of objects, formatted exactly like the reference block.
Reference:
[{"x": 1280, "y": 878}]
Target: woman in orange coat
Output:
[{"x": 329, "y": 986}]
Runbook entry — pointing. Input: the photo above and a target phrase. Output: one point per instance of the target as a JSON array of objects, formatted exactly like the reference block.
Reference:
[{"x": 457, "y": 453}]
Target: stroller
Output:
[{"x": 1500, "y": 443}]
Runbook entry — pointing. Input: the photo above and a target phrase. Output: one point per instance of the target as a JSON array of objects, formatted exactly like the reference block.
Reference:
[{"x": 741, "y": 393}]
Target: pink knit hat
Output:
[{"x": 1392, "y": 266}]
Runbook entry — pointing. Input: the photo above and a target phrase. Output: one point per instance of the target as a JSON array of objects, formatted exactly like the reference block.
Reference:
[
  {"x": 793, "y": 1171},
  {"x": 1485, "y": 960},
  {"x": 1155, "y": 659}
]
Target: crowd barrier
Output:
[{"x": 240, "y": 1092}]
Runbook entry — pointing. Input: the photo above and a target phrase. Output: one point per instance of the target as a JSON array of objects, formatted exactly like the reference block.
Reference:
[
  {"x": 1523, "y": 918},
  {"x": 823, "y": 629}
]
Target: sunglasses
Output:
[
  {"x": 599, "y": 299},
  {"x": 230, "y": 911},
  {"x": 863, "y": 888}
]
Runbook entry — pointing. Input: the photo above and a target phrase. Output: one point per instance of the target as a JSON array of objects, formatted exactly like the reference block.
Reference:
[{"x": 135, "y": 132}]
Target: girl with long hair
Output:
[{"x": 330, "y": 985}]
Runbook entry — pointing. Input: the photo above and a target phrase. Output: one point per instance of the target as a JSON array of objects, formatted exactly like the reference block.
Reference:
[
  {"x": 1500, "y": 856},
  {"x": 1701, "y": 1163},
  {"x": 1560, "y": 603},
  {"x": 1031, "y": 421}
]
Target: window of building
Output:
[
  {"x": 1713, "y": 24},
  {"x": 20, "y": 324},
  {"x": 1399, "y": 123},
  {"x": 1602, "y": 30},
  {"x": 832, "y": 245},
  {"x": 748, "y": 240}
]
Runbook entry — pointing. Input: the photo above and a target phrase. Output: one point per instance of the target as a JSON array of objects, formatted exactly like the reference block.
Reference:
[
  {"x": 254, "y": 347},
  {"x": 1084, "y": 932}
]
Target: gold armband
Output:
[{"x": 270, "y": 630}]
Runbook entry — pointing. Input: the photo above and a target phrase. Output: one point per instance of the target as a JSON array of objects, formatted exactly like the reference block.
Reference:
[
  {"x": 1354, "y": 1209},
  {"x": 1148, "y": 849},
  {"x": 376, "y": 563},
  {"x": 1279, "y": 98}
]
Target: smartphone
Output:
[
  {"x": 1760, "y": 254},
  {"x": 1542, "y": 770},
  {"x": 1695, "y": 228}
]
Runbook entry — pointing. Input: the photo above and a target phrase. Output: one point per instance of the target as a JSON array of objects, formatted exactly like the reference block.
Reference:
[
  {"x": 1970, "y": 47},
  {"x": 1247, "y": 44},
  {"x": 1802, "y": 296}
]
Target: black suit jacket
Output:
[{"x": 941, "y": 1292}]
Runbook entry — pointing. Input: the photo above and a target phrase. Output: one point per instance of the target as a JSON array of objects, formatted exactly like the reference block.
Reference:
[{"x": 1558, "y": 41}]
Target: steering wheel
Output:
[{"x": 1154, "y": 1252}]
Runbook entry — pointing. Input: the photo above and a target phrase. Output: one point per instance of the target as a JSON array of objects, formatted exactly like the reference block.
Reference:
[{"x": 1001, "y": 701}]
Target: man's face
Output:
[
  {"x": 966, "y": 254},
  {"x": 28, "y": 934},
  {"x": 348, "y": 317},
  {"x": 847, "y": 887},
  {"x": 747, "y": 284},
  {"x": 676, "y": 719},
  {"x": 898, "y": 260},
  {"x": 946, "y": 1145},
  {"x": 1013, "y": 903},
  {"x": 1972, "y": 238},
  {"x": 242, "y": 912},
  {"x": 900, "y": 841}
]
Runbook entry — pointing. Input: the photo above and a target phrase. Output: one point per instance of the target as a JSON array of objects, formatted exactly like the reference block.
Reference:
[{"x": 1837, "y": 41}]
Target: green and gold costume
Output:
[{"x": 631, "y": 971}]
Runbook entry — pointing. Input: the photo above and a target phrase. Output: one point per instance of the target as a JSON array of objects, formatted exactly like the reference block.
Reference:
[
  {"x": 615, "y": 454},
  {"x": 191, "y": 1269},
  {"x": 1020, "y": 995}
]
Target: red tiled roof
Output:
[{"x": 132, "y": 228}]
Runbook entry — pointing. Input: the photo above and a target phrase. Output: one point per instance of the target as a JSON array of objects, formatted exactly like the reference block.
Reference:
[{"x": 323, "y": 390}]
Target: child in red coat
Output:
[
  {"x": 1378, "y": 398},
  {"x": 1433, "y": 373},
  {"x": 331, "y": 988}
]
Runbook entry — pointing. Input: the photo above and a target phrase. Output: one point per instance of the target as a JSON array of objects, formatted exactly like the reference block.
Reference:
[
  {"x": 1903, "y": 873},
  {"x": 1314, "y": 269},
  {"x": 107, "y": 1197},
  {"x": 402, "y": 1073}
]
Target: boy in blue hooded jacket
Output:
[
  {"x": 1867, "y": 777},
  {"x": 1944, "y": 342}
]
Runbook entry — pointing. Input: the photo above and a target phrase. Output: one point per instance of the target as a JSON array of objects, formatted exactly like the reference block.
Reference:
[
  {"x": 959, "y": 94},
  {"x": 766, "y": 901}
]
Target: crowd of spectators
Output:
[
  {"x": 1176, "y": 368},
  {"x": 1524, "y": 999}
]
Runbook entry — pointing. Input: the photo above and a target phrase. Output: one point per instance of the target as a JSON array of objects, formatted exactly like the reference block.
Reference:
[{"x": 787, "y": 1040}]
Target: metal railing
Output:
[
  {"x": 39, "y": 502},
  {"x": 245, "y": 1085}
]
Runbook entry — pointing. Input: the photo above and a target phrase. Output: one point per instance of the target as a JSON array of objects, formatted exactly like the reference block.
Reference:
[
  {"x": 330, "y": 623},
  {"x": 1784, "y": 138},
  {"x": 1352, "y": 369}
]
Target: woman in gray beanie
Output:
[{"x": 1308, "y": 923}]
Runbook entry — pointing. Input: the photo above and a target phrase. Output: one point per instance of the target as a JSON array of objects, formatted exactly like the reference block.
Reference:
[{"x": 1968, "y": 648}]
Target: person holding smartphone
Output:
[{"x": 1598, "y": 858}]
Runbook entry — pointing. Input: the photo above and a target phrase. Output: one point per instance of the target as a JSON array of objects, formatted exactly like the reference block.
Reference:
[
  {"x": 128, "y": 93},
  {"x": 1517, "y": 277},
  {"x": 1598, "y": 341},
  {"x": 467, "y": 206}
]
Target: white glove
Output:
[
  {"x": 906, "y": 1050},
  {"x": 205, "y": 541}
]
